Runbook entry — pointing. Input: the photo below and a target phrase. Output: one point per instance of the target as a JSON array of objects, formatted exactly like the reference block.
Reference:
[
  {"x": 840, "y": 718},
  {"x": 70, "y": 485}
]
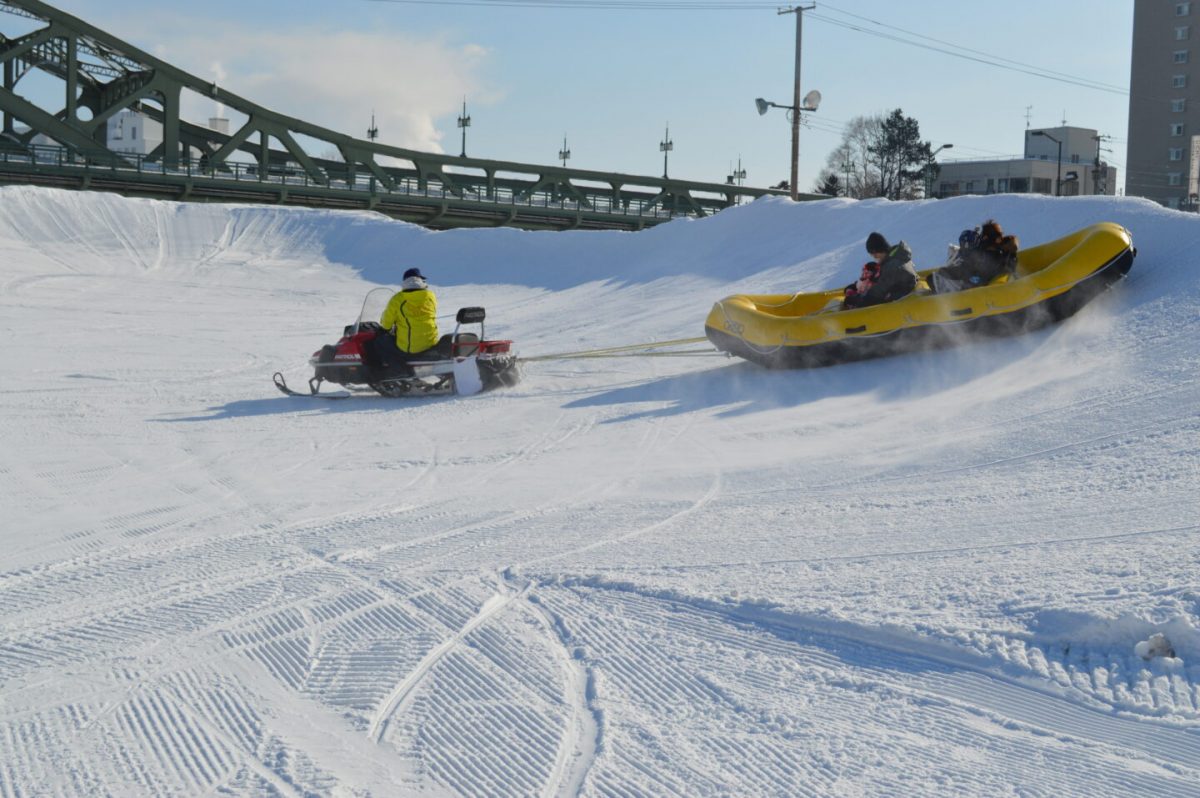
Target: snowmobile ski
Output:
[{"x": 282, "y": 385}]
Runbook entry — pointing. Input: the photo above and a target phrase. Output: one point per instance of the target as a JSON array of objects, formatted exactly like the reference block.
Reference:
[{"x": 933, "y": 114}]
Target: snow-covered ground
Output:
[{"x": 928, "y": 575}]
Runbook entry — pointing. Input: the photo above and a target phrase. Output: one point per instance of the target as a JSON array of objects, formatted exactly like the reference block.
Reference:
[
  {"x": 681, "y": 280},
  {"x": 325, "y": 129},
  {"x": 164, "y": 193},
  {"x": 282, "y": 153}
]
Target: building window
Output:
[
  {"x": 1002, "y": 185},
  {"x": 1177, "y": 129},
  {"x": 991, "y": 186},
  {"x": 1041, "y": 185},
  {"x": 1183, "y": 9},
  {"x": 1179, "y": 81},
  {"x": 1075, "y": 158},
  {"x": 1181, "y": 33},
  {"x": 969, "y": 187},
  {"x": 1175, "y": 154},
  {"x": 1180, "y": 57},
  {"x": 1174, "y": 178},
  {"x": 1178, "y": 105}
]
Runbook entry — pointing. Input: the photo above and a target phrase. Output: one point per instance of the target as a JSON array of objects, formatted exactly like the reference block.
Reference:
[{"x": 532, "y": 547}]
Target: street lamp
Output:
[
  {"x": 1058, "y": 175},
  {"x": 929, "y": 168},
  {"x": 809, "y": 103},
  {"x": 1073, "y": 178},
  {"x": 665, "y": 146},
  {"x": 738, "y": 174},
  {"x": 464, "y": 122}
]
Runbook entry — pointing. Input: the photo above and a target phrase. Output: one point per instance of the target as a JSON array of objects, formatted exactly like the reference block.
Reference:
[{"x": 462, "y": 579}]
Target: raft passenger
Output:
[{"x": 891, "y": 277}]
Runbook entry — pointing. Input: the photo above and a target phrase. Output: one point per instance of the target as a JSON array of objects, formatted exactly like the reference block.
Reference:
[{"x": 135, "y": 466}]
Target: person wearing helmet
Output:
[
  {"x": 411, "y": 317},
  {"x": 890, "y": 277}
]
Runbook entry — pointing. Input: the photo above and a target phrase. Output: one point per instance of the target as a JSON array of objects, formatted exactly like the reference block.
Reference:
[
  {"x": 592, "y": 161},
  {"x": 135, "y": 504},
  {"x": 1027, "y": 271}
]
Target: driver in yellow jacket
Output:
[{"x": 413, "y": 314}]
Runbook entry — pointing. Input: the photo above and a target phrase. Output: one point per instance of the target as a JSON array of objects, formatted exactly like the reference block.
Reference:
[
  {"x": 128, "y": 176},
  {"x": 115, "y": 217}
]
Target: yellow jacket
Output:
[{"x": 414, "y": 315}]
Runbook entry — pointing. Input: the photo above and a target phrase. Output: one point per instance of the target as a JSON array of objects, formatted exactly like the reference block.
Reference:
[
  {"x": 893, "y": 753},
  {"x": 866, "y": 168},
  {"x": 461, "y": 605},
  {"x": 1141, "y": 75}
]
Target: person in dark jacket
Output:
[
  {"x": 983, "y": 254},
  {"x": 895, "y": 278}
]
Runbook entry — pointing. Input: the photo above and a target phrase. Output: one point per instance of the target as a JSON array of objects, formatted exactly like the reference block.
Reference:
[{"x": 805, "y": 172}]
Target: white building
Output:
[
  {"x": 131, "y": 132},
  {"x": 1075, "y": 168}
]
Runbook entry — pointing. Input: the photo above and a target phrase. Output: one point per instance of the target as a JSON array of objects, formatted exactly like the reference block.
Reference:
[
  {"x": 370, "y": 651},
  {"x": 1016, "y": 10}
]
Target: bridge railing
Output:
[{"x": 404, "y": 182}]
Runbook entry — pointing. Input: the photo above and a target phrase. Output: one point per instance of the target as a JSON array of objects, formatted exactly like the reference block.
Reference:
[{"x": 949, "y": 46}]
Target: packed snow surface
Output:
[{"x": 936, "y": 574}]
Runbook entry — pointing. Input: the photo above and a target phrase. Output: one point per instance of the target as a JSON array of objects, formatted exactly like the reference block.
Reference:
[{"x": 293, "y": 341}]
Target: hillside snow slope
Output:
[{"x": 925, "y": 575}]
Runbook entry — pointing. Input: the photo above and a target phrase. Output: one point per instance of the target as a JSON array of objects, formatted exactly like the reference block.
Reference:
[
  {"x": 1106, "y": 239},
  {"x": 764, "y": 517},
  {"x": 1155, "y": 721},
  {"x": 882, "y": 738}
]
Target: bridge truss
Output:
[{"x": 270, "y": 157}]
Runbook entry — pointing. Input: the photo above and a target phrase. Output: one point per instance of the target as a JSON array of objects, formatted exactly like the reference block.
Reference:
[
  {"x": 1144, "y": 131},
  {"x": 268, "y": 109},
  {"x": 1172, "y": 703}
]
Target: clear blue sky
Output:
[{"x": 612, "y": 79}]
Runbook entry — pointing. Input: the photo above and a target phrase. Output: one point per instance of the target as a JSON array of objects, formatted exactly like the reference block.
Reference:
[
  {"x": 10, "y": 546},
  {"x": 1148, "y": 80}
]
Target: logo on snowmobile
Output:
[{"x": 347, "y": 357}]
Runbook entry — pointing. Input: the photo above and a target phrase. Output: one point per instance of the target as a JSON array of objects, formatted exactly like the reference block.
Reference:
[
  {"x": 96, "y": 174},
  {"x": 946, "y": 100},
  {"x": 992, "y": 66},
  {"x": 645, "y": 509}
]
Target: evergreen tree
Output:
[
  {"x": 828, "y": 184},
  {"x": 901, "y": 157}
]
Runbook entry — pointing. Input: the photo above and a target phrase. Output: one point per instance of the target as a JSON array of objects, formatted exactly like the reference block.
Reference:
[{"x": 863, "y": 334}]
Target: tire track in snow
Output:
[
  {"x": 581, "y": 741},
  {"x": 941, "y": 671},
  {"x": 398, "y": 698}
]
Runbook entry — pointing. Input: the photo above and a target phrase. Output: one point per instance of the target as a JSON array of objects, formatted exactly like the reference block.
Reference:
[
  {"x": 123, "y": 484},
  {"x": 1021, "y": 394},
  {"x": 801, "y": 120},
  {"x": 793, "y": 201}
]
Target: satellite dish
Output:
[
  {"x": 762, "y": 105},
  {"x": 811, "y": 101}
]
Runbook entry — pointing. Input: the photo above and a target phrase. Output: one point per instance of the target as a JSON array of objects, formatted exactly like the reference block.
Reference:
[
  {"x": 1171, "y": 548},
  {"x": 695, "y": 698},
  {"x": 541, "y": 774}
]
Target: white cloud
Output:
[{"x": 336, "y": 79}]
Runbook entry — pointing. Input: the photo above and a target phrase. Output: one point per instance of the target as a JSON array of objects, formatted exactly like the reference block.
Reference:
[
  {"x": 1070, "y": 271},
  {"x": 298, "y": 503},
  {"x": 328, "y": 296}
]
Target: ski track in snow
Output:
[{"x": 620, "y": 577}]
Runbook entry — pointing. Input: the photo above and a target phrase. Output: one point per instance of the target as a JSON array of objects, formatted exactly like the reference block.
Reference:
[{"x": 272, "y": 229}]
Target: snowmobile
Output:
[{"x": 461, "y": 362}]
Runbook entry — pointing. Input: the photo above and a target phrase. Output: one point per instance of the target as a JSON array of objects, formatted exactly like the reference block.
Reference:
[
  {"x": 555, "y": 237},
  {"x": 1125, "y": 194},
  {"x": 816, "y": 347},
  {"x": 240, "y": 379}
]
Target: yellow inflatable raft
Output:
[{"x": 1052, "y": 281}]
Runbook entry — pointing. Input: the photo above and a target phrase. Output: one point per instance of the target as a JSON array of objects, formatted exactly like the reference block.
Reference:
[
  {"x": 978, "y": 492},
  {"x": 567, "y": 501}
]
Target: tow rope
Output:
[{"x": 632, "y": 350}]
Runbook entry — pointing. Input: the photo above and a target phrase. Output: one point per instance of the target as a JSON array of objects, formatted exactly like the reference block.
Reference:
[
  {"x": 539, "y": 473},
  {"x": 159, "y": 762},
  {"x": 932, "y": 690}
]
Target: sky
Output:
[{"x": 611, "y": 80}]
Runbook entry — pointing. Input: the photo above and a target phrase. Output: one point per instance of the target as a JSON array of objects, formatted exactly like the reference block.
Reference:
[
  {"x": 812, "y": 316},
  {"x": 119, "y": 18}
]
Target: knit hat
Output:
[
  {"x": 877, "y": 243},
  {"x": 413, "y": 273}
]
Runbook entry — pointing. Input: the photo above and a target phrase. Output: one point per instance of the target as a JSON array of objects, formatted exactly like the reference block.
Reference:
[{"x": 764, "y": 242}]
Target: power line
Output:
[
  {"x": 1025, "y": 69},
  {"x": 624, "y": 5},
  {"x": 1050, "y": 73}
]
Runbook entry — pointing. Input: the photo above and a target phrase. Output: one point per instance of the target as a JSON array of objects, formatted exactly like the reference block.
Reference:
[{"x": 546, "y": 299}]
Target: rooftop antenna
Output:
[
  {"x": 1028, "y": 115},
  {"x": 1064, "y": 124},
  {"x": 372, "y": 131}
]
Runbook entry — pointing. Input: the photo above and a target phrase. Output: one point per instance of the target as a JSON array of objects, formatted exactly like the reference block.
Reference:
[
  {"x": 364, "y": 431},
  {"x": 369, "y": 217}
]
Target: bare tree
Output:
[{"x": 879, "y": 157}]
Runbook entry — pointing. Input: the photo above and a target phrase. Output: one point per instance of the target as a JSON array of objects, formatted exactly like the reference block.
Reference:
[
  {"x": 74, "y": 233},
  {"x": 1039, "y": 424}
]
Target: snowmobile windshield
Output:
[{"x": 374, "y": 305}]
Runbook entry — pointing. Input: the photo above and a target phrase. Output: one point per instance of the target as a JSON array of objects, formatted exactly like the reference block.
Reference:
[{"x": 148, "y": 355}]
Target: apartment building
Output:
[
  {"x": 1164, "y": 126},
  {"x": 1061, "y": 161}
]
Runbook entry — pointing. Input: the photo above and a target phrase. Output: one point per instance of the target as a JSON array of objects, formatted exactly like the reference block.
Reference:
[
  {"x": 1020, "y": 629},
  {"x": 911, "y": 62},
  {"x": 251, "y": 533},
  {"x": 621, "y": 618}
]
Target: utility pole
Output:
[
  {"x": 1100, "y": 175},
  {"x": 795, "y": 181},
  {"x": 847, "y": 166}
]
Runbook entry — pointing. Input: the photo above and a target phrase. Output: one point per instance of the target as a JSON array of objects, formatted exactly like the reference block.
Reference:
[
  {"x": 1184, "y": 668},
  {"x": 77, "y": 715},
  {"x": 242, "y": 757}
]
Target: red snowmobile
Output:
[{"x": 461, "y": 362}]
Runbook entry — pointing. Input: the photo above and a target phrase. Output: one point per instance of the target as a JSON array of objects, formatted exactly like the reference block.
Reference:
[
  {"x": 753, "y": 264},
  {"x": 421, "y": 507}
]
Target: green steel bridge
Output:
[{"x": 267, "y": 157}]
